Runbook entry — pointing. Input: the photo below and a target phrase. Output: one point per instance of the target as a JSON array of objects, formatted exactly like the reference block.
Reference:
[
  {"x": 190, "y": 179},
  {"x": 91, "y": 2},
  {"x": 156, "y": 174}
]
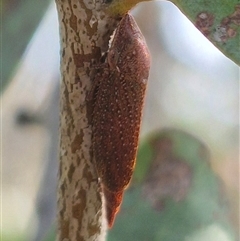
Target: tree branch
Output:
[{"x": 84, "y": 34}]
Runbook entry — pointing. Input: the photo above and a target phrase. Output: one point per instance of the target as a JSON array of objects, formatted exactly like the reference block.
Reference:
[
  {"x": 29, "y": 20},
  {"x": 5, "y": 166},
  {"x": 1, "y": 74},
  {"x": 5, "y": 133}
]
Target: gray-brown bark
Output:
[{"x": 84, "y": 34}]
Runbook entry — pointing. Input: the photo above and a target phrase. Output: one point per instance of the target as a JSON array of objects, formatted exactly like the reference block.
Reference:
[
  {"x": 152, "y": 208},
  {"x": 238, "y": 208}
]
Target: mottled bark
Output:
[{"x": 84, "y": 34}]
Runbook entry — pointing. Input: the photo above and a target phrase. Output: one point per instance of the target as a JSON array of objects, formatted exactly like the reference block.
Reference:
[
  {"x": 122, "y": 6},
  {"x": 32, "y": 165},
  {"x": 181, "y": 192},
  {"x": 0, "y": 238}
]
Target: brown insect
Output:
[{"x": 119, "y": 92}]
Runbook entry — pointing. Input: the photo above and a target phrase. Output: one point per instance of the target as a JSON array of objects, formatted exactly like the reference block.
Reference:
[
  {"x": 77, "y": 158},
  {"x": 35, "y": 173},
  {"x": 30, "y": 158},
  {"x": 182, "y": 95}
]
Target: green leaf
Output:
[
  {"x": 218, "y": 20},
  {"x": 179, "y": 196},
  {"x": 120, "y": 7},
  {"x": 144, "y": 157},
  {"x": 20, "y": 20}
]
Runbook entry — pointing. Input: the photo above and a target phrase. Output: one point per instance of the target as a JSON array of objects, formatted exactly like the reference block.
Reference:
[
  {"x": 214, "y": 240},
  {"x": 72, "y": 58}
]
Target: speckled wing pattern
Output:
[{"x": 117, "y": 111}]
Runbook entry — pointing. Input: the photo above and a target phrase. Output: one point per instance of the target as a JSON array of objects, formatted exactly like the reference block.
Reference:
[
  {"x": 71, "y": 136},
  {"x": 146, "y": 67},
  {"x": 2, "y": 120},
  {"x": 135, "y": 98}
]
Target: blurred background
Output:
[{"x": 190, "y": 130}]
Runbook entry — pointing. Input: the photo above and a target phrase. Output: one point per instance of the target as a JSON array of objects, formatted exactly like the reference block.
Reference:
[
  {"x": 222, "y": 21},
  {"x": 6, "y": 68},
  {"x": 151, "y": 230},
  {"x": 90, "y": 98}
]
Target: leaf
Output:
[
  {"x": 179, "y": 197},
  {"x": 144, "y": 157},
  {"x": 120, "y": 7},
  {"x": 218, "y": 20},
  {"x": 21, "y": 19}
]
